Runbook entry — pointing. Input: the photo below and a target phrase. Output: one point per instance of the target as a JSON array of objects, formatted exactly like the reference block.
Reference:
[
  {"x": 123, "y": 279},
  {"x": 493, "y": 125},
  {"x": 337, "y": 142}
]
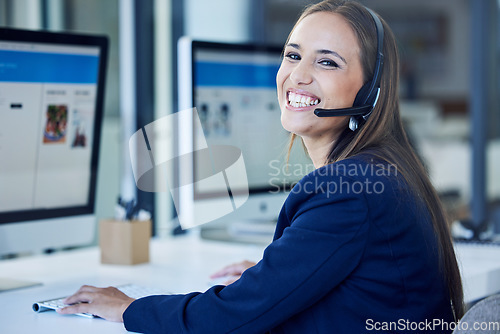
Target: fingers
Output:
[
  {"x": 75, "y": 308},
  {"x": 235, "y": 269},
  {"x": 82, "y": 295},
  {"x": 226, "y": 271},
  {"x": 108, "y": 303},
  {"x": 231, "y": 280}
]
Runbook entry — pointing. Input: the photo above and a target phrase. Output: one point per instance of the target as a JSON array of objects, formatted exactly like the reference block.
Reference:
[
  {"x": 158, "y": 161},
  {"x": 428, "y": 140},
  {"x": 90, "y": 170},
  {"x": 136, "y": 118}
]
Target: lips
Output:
[{"x": 302, "y": 100}]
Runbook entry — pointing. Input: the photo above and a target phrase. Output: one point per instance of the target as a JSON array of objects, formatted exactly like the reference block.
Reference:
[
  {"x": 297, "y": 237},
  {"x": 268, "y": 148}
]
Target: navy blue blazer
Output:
[{"x": 353, "y": 252}]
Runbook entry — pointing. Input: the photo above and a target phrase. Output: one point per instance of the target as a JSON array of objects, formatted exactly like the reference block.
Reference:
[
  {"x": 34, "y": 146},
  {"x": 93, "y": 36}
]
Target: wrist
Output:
[{"x": 124, "y": 308}]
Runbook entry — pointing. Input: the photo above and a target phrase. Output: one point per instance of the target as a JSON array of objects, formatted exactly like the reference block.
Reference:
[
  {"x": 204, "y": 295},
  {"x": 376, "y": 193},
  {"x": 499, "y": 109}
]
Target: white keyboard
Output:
[{"x": 131, "y": 290}]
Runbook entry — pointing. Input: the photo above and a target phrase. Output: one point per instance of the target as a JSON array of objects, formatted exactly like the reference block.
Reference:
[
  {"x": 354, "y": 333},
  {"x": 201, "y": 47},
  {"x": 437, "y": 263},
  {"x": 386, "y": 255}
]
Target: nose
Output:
[{"x": 301, "y": 74}]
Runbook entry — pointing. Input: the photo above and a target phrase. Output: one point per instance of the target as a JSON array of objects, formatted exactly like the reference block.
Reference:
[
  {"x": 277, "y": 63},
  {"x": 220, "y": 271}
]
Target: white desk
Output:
[
  {"x": 179, "y": 265},
  {"x": 480, "y": 268}
]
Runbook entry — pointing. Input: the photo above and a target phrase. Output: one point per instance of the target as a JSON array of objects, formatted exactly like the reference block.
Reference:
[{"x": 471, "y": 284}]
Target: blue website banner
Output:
[
  {"x": 236, "y": 75},
  {"x": 19, "y": 66}
]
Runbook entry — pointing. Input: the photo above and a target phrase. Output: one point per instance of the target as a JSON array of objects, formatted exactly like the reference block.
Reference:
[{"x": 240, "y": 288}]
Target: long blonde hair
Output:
[{"x": 383, "y": 133}]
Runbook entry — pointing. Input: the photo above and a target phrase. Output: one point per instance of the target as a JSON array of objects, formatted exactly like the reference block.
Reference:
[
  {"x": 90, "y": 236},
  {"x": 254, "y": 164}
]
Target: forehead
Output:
[{"x": 326, "y": 30}]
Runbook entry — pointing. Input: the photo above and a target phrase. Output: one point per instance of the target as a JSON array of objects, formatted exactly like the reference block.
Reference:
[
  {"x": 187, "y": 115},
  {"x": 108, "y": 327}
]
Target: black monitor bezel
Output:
[{"x": 66, "y": 39}]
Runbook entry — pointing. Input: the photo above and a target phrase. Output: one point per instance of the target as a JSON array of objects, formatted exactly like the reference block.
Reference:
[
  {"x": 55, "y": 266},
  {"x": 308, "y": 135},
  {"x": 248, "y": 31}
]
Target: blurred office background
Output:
[{"x": 450, "y": 81}]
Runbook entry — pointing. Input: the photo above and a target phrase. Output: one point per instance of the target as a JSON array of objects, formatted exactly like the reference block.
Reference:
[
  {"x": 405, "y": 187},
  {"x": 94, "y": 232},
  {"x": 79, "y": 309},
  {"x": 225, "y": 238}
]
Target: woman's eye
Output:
[
  {"x": 328, "y": 63},
  {"x": 292, "y": 56}
]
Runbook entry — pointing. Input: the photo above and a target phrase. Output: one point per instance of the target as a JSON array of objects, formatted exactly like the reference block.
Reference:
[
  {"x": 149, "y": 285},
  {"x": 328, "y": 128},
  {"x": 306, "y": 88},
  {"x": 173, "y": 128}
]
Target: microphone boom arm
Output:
[{"x": 351, "y": 111}]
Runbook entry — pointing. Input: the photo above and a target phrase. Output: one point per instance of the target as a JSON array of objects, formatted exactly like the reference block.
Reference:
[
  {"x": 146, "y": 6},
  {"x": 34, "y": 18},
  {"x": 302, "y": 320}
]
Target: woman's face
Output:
[{"x": 321, "y": 68}]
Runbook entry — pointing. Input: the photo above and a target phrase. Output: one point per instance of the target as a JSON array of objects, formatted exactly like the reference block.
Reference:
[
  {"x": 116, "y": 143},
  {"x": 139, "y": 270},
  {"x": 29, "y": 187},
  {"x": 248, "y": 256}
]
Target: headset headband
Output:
[{"x": 377, "y": 72}]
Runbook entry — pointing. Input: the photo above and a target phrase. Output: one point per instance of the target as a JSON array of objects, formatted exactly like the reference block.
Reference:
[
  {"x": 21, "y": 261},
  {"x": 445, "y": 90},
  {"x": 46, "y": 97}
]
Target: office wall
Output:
[
  {"x": 108, "y": 182},
  {"x": 21, "y": 14},
  {"x": 221, "y": 20},
  {"x": 163, "y": 81},
  {"x": 451, "y": 78}
]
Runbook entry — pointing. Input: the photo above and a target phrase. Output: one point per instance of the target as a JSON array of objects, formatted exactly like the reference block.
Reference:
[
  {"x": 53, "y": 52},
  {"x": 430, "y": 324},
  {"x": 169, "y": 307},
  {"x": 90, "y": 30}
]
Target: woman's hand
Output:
[
  {"x": 108, "y": 303},
  {"x": 233, "y": 271}
]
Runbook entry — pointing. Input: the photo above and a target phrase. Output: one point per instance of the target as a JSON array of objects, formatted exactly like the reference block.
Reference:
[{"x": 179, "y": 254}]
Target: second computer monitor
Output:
[{"x": 233, "y": 88}]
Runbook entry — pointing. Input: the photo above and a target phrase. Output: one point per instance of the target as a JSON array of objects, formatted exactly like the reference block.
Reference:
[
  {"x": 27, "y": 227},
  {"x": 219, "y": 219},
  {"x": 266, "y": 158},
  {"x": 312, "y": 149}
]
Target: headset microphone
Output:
[{"x": 367, "y": 97}]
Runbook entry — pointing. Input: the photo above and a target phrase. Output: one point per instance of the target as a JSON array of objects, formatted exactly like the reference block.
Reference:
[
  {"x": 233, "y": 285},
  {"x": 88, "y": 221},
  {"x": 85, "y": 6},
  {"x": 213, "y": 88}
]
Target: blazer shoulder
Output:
[{"x": 359, "y": 176}]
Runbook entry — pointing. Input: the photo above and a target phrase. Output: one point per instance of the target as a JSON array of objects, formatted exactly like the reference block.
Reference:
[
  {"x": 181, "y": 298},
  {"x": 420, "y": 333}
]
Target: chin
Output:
[{"x": 298, "y": 129}]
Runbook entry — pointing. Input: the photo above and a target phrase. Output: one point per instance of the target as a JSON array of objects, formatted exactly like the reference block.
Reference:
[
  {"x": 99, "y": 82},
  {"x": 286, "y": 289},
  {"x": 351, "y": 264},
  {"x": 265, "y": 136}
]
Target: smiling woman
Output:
[
  {"x": 325, "y": 69},
  {"x": 360, "y": 240}
]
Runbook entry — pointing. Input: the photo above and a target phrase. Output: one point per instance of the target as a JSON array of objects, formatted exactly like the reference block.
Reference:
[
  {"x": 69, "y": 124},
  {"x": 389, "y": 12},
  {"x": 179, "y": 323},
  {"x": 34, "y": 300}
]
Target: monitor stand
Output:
[
  {"x": 253, "y": 231},
  {"x": 7, "y": 284}
]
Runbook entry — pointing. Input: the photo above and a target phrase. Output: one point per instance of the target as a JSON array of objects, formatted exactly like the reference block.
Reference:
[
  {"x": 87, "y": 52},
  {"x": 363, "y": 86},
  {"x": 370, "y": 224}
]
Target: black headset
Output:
[{"x": 367, "y": 96}]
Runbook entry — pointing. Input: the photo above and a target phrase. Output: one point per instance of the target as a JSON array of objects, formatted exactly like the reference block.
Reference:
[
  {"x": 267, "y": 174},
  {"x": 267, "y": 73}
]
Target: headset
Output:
[{"x": 367, "y": 96}]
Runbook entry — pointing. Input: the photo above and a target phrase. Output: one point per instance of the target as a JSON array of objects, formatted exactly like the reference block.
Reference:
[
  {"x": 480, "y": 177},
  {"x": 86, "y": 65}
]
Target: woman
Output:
[{"x": 361, "y": 243}]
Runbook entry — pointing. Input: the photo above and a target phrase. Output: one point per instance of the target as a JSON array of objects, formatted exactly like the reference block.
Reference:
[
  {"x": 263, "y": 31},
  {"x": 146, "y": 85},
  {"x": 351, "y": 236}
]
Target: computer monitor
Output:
[
  {"x": 233, "y": 87},
  {"x": 51, "y": 105}
]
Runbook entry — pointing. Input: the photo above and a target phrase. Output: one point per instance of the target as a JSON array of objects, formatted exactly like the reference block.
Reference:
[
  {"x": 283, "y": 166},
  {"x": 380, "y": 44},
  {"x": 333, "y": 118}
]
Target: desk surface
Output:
[{"x": 179, "y": 265}]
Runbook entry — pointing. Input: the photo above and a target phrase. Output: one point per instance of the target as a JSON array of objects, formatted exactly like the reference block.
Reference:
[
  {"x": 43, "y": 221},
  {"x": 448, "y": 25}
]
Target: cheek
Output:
[
  {"x": 341, "y": 92},
  {"x": 352, "y": 88},
  {"x": 280, "y": 80},
  {"x": 287, "y": 124},
  {"x": 339, "y": 123},
  {"x": 281, "y": 76}
]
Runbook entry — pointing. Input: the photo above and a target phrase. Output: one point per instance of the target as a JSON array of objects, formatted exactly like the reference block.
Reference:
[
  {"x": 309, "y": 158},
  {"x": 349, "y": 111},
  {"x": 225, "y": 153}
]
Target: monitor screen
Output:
[
  {"x": 51, "y": 96},
  {"x": 235, "y": 95},
  {"x": 233, "y": 87}
]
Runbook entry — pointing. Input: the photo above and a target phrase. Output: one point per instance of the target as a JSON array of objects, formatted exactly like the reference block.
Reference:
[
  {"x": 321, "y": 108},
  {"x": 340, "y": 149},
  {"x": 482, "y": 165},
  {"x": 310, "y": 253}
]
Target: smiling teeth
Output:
[{"x": 297, "y": 100}]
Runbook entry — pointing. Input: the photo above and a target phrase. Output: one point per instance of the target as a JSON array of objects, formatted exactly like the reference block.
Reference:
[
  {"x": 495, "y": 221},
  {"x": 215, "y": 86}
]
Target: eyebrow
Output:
[{"x": 322, "y": 51}]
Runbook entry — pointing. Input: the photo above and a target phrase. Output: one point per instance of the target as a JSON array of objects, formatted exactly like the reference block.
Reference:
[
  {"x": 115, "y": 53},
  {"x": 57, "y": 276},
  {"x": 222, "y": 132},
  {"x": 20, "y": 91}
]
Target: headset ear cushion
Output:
[{"x": 362, "y": 96}]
